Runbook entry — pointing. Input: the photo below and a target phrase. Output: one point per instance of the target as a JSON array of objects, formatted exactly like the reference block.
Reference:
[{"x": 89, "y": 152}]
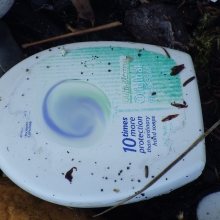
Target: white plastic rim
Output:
[
  {"x": 209, "y": 207},
  {"x": 5, "y": 5},
  {"x": 84, "y": 124}
]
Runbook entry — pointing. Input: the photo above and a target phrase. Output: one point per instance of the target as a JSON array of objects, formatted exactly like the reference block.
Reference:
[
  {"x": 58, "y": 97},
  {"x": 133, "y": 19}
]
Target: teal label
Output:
[
  {"x": 97, "y": 87},
  {"x": 141, "y": 76}
]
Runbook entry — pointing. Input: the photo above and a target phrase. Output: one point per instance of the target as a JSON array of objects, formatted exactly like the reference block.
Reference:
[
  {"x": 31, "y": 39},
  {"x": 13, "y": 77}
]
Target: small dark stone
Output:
[{"x": 157, "y": 24}]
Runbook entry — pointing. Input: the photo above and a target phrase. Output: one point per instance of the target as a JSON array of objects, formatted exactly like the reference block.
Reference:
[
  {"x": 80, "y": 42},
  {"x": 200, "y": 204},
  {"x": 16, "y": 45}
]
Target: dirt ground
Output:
[{"x": 201, "y": 39}]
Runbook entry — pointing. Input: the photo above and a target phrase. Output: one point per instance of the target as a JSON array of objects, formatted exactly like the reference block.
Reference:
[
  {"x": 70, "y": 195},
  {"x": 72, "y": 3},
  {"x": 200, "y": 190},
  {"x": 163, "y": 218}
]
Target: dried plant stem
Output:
[
  {"x": 78, "y": 32},
  {"x": 208, "y": 102},
  {"x": 216, "y": 136},
  {"x": 183, "y": 2},
  {"x": 68, "y": 26},
  {"x": 216, "y": 173},
  {"x": 165, "y": 170}
]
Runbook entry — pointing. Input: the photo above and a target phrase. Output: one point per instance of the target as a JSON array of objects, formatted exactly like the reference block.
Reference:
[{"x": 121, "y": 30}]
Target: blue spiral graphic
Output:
[{"x": 75, "y": 109}]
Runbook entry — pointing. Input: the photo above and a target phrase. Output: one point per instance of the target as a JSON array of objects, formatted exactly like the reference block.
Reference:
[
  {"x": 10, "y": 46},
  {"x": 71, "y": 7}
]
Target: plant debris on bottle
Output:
[
  {"x": 169, "y": 117},
  {"x": 69, "y": 174},
  {"x": 184, "y": 105},
  {"x": 177, "y": 69},
  {"x": 189, "y": 80}
]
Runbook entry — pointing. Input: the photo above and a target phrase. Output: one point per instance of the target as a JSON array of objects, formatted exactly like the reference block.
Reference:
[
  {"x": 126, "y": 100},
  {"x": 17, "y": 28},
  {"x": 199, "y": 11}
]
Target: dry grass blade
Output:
[
  {"x": 208, "y": 102},
  {"x": 216, "y": 173},
  {"x": 182, "y": 3},
  {"x": 68, "y": 26},
  {"x": 212, "y": 133},
  {"x": 165, "y": 170}
]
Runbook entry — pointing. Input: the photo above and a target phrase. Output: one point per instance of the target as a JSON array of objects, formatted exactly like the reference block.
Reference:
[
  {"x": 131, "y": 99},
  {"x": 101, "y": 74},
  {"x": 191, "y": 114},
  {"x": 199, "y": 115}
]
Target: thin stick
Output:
[
  {"x": 216, "y": 173},
  {"x": 89, "y": 30},
  {"x": 183, "y": 2},
  {"x": 165, "y": 170},
  {"x": 168, "y": 55},
  {"x": 68, "y": 26},
  {"x": 208, "y": 102},
  {"x": 216, "y": 136}
]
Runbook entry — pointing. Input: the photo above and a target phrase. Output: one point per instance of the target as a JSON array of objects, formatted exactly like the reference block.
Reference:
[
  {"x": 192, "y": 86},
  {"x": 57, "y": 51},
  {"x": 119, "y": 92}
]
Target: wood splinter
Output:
[{"x": 77, "y": 32}]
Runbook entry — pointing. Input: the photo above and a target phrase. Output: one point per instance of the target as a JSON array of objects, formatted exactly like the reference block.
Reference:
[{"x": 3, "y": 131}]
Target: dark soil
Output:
[{"x": 201, "y": 21}]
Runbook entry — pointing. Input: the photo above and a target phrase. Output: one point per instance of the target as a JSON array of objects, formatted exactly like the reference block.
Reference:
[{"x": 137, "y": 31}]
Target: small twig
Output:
[
  {"x": 208, "y": 102},
  {"x": 216, "y": 136},
  {"x": 68, "y": 26},
  {"x": 216, "y": 173},
  {"x": 168, "y": 55},
  {"x": 79, "y": 32},
  {"x": 217, "y": 130},
  {"x": 183, "y": 2},
  {"x": 165, "y": 170}
]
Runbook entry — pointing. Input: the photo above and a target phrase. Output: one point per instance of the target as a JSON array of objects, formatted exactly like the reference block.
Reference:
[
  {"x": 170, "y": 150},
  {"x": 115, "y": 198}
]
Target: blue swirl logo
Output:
[{"x": 76, "y": 110}]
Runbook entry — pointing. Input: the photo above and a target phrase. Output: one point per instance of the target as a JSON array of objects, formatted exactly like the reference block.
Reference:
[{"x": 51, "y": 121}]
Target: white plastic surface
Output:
[
  {"x": 209, "y": 207},
  {"x": 82, "y": 123},
  {"x": 5, "y": 5}
]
